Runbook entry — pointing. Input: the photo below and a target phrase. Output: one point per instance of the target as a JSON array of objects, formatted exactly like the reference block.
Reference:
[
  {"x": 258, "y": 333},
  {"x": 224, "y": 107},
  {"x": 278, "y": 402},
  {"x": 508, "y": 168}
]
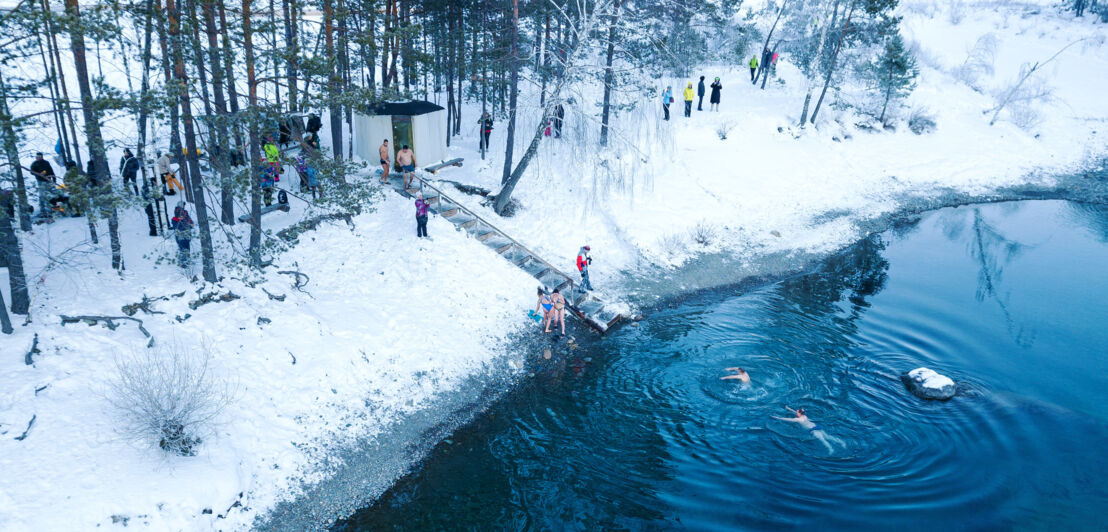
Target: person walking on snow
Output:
[
  {"x": 47, "y": 183},
  {"x": 583, "y": 262},
  {"x": 383, "y": 152},
  {"x": 689, "y": 94},
  {"x": 128, "y": 168},
  {"x": 181, "y": 224},
  {"x": 667, "y": 98},
  {"x": 700, "y": 92},
  {"x": 753, "y": 67},
  {"x": 421, "y": 207},
  {"x": 406, "y": 159},
  {"x": 714, "y": 100}
]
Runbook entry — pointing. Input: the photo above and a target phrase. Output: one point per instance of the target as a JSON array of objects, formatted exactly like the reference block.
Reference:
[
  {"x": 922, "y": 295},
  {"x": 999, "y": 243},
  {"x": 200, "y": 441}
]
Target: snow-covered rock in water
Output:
[{"x": 926, "y": 384}]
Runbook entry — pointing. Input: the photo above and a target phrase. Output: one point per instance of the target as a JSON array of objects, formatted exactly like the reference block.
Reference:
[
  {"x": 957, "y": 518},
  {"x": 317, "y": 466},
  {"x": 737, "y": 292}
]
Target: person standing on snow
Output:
[
  {"x": 406, "y": 159},
  {"x": 667, "y": 98},
  {"x": 559, "y": 118},
  {"x": 486, "y": 129},
  {"x": 169, "y": 179},
  {"x": 753, "y": 67},
  {"x": 688, "y": 94},
  {"x": 714, "y": 100},
  {"x": 128, "y": 168},
  {"x": 181, "y": 224},
  {"x": 421, "y": 207},
  {"x": 583, "y": 262},
  {"x": 383, "y": 154},
  {"x": 700, "y": 92},
  {"x": 44, "y": 176}
]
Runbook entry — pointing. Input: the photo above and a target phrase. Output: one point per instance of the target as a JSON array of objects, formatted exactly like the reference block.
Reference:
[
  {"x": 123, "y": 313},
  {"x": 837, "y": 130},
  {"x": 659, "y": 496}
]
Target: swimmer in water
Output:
[
  {"x": 815, "y": 429},
  {"x": 739, "y": 375}
]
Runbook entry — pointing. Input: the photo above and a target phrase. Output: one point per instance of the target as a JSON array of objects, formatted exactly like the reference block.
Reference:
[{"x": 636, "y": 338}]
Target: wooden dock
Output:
[{"x": 585, "y": 305}]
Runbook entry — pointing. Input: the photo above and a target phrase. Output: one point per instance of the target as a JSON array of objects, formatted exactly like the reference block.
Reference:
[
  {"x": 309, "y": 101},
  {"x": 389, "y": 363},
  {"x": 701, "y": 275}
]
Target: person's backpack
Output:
[
  {"x": 282, "y": 198},
  {"x": 314, "y": 124}
]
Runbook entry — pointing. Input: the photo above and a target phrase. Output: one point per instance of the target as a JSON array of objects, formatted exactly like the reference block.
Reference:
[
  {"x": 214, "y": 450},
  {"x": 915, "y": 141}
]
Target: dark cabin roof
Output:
[{"x": 412, "y": 108}]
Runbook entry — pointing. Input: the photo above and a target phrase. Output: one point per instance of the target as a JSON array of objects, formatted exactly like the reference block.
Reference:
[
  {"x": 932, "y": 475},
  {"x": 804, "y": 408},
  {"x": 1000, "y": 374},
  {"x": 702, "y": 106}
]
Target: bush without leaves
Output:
[
  {"x": 921, "y": 121},
  {"x": 673, "y": 246},
  {"x": 723, "y": 129},
  {"x": 168, "y": 397},
  {"x": 704, "y": 234}
]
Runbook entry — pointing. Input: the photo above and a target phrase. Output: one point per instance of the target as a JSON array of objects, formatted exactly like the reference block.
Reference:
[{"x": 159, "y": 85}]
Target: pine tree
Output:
[{"x": 894, "y": 72}]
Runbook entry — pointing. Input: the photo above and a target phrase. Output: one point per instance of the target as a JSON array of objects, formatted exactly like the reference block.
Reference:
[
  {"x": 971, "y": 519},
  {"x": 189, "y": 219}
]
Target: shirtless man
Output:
[
  {"x": 383, "y": 151},
  {"x": 815, "y": 429},
  {"x": 739, "y": 374},
  {"x": 406, "y": 159}
]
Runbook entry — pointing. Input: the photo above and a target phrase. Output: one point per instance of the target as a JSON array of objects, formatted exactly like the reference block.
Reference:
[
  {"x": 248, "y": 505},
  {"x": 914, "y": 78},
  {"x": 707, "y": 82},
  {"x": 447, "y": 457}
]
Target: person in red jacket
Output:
[{"x": 583, "y": 262}]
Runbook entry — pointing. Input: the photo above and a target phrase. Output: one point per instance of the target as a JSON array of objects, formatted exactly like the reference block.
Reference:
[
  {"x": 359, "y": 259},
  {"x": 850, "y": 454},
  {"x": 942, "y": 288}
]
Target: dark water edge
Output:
[{"x": 358, "y": 476}]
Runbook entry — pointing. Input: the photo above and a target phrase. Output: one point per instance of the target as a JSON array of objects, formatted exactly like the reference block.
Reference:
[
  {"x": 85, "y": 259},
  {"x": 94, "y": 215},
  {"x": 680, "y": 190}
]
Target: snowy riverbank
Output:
[{"x": 387, "y": 323}]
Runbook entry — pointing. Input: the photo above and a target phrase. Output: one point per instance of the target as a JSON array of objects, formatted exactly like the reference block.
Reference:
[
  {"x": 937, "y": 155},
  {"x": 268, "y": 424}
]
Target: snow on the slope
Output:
[
  {"x": 388, "y": 321},
  {"x": 773, "y": 187}
]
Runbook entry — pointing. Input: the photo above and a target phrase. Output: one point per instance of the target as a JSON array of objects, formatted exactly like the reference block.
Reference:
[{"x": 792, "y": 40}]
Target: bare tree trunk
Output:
[
  {"x": 175, "y": 151},
  {"x": 143, "y": 114},
  {"x": 512, "y": 100},
  {"x": 609, "y": 78},
  {"x": 55, "y": 104},
  {"x": 763, "y": 69},
  {"x": 333, "y": 82},
  {"x": 195, "y": 180},
  {"x": 813, "y": 69},
  {"x": 92, "y": 127},
  {"x": 227, "y": 197},
  {"x": 255, "y": 154},
  {"x": 291, "y": 11},
  {"x": 12, "y": 152},
  {"x": 220, "y": 162},
  {"x": 75, "y": 144},
  {"x": 13, "y": 259},
  {"x": 834, "y": 60}
]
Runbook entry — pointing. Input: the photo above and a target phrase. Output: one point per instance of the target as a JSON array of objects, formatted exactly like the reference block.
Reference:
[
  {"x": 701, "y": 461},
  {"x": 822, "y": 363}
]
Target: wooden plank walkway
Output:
[{"x": 585, "y": 305}]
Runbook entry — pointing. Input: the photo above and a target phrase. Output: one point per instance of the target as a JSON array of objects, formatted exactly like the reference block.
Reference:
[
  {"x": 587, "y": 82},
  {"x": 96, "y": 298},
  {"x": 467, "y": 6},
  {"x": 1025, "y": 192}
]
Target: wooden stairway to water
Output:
[{"x": 586, "y": 306}]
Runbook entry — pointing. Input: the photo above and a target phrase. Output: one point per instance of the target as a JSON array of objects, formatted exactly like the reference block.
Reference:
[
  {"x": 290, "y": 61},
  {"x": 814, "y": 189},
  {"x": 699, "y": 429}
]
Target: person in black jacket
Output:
[
  {"x": 700, "y": 92},
  {"x": 559, "y": 118},
  {"x": 486, "y": 129},
  {"x": 44, "y": 176},
  {"x": 714, "y": 100},
  {"x": 128, "y": 168}
]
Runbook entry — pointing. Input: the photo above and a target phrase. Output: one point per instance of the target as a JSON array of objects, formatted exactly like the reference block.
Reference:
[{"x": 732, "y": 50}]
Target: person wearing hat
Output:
[
  {"x": 583, "y": 262},
  {"x": 47, "y": 183},
  {"x": 182, "y": 231}
]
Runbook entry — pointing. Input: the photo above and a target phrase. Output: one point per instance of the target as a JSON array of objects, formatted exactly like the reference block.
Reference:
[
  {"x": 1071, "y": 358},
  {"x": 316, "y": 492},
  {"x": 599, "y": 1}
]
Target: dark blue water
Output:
[{"x": 637, "y": 431}]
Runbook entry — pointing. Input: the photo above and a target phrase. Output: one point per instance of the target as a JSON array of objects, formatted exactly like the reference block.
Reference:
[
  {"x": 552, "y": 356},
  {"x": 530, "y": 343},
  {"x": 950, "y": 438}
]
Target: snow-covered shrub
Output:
[
  {"x": 1021, "y": 97},
  {"x": 921, "y": 120},
  {"x": 673, "y": 246},
  {"x": 979, "y": 62},
  {"x": 168, "y": 397},
  {"x": 704, "y": 233},
  {"x": 723, "y": 129}
]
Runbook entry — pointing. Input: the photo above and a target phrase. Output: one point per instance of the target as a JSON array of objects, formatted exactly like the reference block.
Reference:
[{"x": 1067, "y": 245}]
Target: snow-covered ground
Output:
[
  {"x": 389, "y": 322},
  {"x": 771, "y": 187}
]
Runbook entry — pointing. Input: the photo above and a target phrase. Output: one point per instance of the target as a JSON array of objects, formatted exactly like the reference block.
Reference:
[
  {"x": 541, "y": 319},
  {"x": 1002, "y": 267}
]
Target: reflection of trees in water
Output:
[
  {"x": 1092, "y": 216},
  {"x": 854, "y": 275},
  {"x": 993, "y": 251}
]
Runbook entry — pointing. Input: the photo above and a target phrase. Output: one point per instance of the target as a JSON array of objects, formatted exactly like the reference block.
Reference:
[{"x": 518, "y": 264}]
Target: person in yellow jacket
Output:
[
  {"x": 689, "y": 95},
  {"x": 753, "y": 67}
]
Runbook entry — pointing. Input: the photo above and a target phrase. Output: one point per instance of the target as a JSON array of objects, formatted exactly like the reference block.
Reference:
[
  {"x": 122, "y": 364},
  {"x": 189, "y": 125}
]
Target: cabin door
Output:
[{"x": 401, "y": 135}]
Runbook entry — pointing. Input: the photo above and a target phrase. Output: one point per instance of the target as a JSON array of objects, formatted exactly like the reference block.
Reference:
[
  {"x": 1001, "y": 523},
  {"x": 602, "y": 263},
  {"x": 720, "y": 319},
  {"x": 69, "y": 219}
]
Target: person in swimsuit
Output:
[
  {"x": 383, "y": 151},
  {"x": 739, "y": 374},
  {"x": 546, "y": 305},
  {"x": 406, "y": 159},
  {"x": 559, "y": 312},
  {"x": 816, "y": 430}
]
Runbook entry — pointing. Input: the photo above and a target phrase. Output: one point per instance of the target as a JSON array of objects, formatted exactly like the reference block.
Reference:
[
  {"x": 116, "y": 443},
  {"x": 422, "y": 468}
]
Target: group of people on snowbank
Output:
[
  {"x": 552, "y": 306},
  {"x": 689, "y": 95}
]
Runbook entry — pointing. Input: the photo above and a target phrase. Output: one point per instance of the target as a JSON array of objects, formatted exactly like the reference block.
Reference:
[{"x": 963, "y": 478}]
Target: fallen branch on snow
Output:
[
  {"x": 213, "y": 297},
  {"x": 299, "y": 285},
  {"x": 29, "y": 424},
  {"x": 109, "y": 322},
  {"x": 144, "y": 305},
  {"x": 34, "y": 351},
  {"x": 273, "y": 297}
]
